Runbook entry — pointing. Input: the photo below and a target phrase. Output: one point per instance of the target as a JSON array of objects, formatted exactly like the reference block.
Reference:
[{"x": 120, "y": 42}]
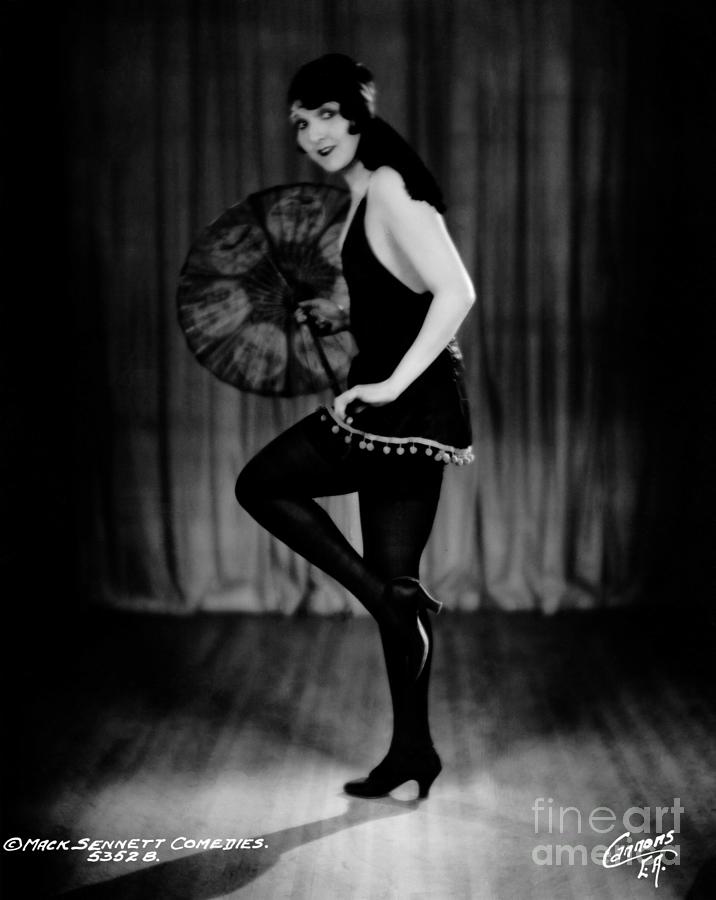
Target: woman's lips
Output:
[{"x": 324, "y": 151}]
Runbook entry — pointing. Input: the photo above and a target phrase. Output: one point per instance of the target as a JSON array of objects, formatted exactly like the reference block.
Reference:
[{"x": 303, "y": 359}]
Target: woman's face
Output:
[{"x": 323, "y": 134}]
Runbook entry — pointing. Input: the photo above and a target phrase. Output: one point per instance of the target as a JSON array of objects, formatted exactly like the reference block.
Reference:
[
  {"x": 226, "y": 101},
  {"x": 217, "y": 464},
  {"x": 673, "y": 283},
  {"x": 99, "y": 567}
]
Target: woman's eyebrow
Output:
[{"x": 327, "y": 104}]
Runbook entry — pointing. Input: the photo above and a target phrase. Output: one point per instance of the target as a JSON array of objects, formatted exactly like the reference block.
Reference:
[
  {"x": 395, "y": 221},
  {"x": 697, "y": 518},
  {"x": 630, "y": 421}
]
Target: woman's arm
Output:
[{"x": 420, "y": 233}]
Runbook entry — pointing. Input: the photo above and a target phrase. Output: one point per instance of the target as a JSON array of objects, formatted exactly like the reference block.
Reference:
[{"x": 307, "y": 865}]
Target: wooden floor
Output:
[{"x": 233, "y": 727}]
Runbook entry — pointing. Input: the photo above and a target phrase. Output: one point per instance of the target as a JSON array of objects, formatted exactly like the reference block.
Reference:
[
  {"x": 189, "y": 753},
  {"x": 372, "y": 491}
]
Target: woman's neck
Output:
[{"x": 356, "y": 176}]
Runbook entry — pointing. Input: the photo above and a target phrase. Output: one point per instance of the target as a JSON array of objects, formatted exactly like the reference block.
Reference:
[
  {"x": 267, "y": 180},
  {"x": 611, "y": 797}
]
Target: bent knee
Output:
[{"x": 245, "y": 489}]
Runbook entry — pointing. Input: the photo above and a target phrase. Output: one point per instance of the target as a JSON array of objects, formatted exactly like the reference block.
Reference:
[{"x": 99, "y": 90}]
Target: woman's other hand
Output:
[
  {"x": 330, "y": 318},
  {"x": 377, "y": 394}
]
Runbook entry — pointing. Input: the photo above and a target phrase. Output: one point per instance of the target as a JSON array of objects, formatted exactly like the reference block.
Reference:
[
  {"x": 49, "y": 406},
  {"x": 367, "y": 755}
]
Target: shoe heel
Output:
[
  {"x": 424, "y": 785},
  {"x": 417, "y": 594},
  {"x": 429, "y": 602}
]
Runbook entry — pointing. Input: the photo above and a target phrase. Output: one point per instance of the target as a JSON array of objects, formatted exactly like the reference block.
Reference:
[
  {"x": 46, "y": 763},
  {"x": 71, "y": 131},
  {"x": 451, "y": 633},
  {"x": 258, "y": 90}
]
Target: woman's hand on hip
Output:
[{"x": 377, "y": 394}]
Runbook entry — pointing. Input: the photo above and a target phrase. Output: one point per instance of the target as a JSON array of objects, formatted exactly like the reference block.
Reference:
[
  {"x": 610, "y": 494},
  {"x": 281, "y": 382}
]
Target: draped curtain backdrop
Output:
[{"x": 171, "y": 112}]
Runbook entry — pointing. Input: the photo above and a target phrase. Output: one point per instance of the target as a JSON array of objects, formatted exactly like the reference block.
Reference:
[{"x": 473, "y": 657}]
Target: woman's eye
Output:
[
  {"x": 328, "y": 113},
  {"x": 300, "y": 125}
]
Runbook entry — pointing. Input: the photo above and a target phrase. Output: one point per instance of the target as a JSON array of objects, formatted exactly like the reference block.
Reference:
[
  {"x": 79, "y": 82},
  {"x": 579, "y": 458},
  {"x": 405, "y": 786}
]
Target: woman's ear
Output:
[{"x": 352, "y": 127}]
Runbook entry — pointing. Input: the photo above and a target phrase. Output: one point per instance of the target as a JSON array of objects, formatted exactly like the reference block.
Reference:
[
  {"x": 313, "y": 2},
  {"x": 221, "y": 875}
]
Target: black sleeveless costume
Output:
[
  {"x": 398, "y": 484},
  {"x": 432, "y": 415}
]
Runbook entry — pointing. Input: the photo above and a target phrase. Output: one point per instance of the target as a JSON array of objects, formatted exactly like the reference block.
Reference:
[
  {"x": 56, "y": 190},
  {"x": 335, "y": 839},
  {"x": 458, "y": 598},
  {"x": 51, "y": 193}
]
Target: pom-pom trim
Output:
[{"x": 445, "y": 453}]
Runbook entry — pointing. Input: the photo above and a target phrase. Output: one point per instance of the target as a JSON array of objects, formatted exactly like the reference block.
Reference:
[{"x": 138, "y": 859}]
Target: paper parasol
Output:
[{"x": 243, "y": 279}]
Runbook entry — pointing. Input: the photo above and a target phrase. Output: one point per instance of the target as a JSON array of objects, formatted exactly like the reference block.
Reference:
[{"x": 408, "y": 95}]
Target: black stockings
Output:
[{"x": 398, "y": 499}]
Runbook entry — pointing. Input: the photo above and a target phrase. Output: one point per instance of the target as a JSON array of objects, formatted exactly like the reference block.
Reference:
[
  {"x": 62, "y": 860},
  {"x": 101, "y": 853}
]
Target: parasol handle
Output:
[{"x": 330, "y": 374}]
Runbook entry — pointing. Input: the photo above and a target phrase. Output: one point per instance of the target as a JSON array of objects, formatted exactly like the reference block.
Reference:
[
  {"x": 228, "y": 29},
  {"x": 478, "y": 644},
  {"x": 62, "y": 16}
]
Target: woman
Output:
[{"x": 405, "y": 412}]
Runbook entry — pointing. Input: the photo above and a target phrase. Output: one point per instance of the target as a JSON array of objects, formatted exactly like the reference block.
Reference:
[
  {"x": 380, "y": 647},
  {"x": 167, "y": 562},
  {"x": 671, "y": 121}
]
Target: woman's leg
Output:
[
  {"x": 396, "y": 527},
  {"x": 277, "y": 488}
]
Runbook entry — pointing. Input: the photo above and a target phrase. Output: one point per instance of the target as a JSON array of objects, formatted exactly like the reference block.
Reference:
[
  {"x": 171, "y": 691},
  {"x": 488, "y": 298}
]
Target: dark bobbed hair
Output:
[{"x": 336, "y": 77}]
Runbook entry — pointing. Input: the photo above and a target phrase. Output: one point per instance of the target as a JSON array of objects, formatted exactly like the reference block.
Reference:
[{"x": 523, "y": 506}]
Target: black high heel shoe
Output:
[
  {"x": 396, "y": 769},
  {"x": 404, "y": 597}
]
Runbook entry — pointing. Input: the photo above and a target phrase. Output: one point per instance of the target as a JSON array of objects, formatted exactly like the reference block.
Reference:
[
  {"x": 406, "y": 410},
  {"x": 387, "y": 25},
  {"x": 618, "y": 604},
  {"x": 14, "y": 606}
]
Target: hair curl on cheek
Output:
[{"x": 299, "y": 148}]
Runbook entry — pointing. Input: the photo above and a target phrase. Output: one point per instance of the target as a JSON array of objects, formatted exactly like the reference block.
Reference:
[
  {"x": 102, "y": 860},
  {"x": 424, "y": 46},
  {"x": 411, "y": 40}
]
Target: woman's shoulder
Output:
[
  {"x": 389, "y": 196},
  {"x": 387, "y": 185}
]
